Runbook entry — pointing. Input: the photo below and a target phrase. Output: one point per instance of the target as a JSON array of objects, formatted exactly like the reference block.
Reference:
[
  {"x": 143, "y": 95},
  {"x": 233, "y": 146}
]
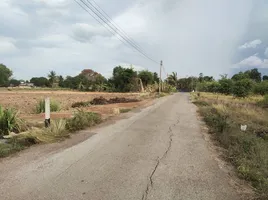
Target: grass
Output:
[
  {"x": 40, "y": 107},
  {"x": 81, "y": 120},
  {"x": 247, "y": 151},
  {"x": 10, "y": 122},
  {"x": 57, "y": 131},
  {"x": 80, "y": 104},
  {"x": 124, "y": 110}
]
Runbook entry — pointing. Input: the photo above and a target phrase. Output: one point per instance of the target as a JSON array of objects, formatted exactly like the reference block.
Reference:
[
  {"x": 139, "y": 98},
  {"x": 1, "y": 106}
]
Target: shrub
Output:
[
  {"x": 16, "y": 143},
  {"x": 242, "y": 88},
  {"x": 82, "y": 120},
  {"x": 40, "y": 107},
  {"x": 125, "y": 110},
  {"x": 263, "y": 103},
  {"x": 81, "y": 104},
  {"x": 10, "y": 122}
]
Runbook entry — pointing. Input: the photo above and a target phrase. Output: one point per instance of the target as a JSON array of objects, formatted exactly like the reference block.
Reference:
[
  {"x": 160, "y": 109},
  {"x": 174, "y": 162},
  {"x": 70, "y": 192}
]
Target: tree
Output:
[
  {"x": 173, "y": 79},
  {"x": 52, "y": 78},
  {"x": 146, "y": 77},
  {"x": 40, "y": 81},
  {"x": 5, "y": 74},
  {"x": 242, "y": 88},
  {"x": 261, "y": 88},
  {"x": 14, "y": 82},
  {"x": 254, "y": 75},
  {"x": 156, "y": 78},
  {"x": 265, "y": 78},
  {"x": 61, "y": 81},
  {"x": 240, "y": 76},
  {"x": 125, "y": 79},
  {"x": 226, "y": 85}
]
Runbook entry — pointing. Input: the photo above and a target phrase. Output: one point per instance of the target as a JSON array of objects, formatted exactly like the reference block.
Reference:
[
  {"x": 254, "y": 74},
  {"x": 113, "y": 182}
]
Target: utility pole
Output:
[{"x": 160, "y": 76}]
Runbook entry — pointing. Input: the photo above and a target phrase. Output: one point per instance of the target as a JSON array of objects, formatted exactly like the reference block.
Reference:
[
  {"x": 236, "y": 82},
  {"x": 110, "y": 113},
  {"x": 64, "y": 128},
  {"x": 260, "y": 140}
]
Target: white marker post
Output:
[{"x": 47, "y": 112}]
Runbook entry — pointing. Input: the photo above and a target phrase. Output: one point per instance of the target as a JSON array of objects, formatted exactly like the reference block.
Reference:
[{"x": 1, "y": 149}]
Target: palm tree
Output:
[
  {"x": 173, "y": 79},
  {"x": 52, "y": 77}
]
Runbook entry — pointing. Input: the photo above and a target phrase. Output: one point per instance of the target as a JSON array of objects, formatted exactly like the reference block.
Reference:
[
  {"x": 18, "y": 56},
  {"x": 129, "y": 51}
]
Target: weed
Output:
[
  {"x": 81, "y": 104},
  {"x": 246, "y": 150},
  {"x": 9, "y": 121},
  {"x": 264, "y": 102},
  {"x": 16, "y": 143},
  {"x": 124, "y": 110},
  {"x": 82, "y": 120},
  {"x": 40, "y": 107}
]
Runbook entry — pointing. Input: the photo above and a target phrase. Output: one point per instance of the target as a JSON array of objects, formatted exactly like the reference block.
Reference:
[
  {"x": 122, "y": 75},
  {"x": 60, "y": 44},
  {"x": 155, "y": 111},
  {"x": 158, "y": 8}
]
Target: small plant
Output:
[
  {"x": 81, "y": 104},
  {"x": 264, "y": 102},
  {"x": 9, "y": 121},
  {"x": 82, "y": 120},
  {"x": 40, "y": 107},
  {"x": 125, "y": 110}
]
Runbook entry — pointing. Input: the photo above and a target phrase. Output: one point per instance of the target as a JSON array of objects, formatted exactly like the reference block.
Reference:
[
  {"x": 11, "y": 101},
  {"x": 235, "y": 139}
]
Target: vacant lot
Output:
[{"x": 25, "y": 101}]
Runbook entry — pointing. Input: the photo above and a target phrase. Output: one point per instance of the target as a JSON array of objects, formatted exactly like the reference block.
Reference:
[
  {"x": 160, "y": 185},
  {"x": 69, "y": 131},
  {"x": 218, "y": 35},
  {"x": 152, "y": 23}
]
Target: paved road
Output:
[{"x": 157, "y": 154}]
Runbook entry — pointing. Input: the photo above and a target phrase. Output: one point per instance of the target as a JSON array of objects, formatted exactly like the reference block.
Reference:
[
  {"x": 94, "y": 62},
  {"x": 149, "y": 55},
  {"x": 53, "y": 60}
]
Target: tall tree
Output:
[
  {"x": 265, "y": 78},
  {"x": 146, "y": 77},
  {"x": 52, "y": 77},
  {"x": 254, "y": 75},
  {"x": 173, "y": 79},
  {"x": 5, "y": 74}
]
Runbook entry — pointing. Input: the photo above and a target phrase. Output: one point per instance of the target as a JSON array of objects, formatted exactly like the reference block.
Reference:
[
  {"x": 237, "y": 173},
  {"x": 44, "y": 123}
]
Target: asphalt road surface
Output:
[{"x": 157, "y": 154}]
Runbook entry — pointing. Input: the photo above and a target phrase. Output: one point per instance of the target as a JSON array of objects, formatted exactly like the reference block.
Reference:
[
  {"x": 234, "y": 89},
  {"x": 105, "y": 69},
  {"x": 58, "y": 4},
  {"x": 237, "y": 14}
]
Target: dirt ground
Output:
[{"x": 25, "y": 102}]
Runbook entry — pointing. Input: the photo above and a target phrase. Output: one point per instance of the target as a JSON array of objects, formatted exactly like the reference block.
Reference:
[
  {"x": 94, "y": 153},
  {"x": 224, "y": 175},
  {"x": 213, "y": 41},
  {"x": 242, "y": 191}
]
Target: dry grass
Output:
[{"x": 248, "y": 151}]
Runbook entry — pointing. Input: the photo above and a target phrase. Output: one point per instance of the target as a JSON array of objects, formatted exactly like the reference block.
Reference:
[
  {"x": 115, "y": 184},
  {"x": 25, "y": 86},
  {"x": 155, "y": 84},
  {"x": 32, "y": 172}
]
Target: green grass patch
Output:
[
  {"x": 82, "y": 120},
  {"x": 40, "y": 107},
  {"x": 10, "y": 122},
  {"x": 81, "y": 104},
  {"x": 124, "y": 110}
]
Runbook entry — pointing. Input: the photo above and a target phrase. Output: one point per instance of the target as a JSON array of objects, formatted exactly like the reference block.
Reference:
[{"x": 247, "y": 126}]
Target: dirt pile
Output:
[{"x": 102, "y": 101}]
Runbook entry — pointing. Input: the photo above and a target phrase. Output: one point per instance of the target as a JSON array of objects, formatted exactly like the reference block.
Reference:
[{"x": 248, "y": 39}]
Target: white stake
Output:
[{"x": 47, "y": 112}]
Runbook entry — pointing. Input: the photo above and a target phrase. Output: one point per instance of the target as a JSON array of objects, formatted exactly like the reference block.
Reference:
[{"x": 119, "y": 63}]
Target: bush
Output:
[
  {"x": 16, "y": 143},
  {"x": 263, "y": 103},
  {"x": 261, "y": 88},
  {"x": 82, "y": 120},
  {"x": 81, "y": 104},
  {"x": 242, "y": 88},
  {"x": 40, "y": 107},
  {"x": 10, "y": 122}
]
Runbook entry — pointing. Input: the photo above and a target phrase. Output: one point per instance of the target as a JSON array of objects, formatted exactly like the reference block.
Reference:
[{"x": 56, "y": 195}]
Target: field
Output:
[
  {"x": 246, "y": 149},
  {"x": 25, "y": 102},
  {"x": 22, "y": 117}
]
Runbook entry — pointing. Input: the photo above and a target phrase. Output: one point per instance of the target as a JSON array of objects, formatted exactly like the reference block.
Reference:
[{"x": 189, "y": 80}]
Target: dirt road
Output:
[{"x": 157, "y": 154}]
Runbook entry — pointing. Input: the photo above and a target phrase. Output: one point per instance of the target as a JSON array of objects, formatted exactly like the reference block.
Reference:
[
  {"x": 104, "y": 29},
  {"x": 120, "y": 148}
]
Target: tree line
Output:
[
  {"x": 241, "y": 84},
  {"x": 122, "y": 80}
]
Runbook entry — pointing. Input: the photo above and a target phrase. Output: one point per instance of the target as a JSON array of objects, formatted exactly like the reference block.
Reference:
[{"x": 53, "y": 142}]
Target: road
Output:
[{"x": 156, "y": 154}]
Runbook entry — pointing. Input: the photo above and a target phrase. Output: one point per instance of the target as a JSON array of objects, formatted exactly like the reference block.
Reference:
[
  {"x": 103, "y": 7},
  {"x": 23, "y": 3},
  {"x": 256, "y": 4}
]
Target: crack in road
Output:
[{"x": 150, "y": 182}]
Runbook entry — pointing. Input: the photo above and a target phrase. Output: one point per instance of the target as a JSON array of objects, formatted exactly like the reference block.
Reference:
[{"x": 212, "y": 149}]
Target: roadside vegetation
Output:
[
  {"x": 246, "y": 150},
  {"x": 40, "y": 106},
  {"x": 57, "y": 131}
]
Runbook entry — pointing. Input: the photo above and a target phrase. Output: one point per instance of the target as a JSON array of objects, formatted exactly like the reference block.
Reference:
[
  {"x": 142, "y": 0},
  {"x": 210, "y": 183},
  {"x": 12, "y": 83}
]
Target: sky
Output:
[{"x": 190, "y": 36}]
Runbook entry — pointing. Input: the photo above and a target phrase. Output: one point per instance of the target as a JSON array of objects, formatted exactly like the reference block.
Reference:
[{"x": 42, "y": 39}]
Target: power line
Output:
[
  {"x": 103, "y": 13},
  {"x": 107, "y": 22},
  {"x": 110, "y": 27}
]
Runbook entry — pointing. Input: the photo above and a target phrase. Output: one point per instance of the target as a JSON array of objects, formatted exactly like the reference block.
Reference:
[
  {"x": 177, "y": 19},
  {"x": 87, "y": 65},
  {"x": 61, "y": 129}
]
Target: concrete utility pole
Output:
[{"x": 160, "y": 76}]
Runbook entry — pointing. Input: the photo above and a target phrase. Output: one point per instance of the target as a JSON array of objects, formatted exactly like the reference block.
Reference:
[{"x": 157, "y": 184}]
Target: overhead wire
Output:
[{"x": 114, "y": 29}]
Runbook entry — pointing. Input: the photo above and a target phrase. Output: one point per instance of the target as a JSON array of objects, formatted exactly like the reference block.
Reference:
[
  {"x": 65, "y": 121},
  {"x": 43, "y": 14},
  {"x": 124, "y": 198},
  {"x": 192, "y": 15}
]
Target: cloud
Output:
[
  {"x": 253, "y": 61},
  {"x": 189, "y": 36},
  {"x": 84, "y": 32},
  {"x": 252, "y": 44},
  {"x": 266, "y": 52},
  {"x": 7, "y": 45}
]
